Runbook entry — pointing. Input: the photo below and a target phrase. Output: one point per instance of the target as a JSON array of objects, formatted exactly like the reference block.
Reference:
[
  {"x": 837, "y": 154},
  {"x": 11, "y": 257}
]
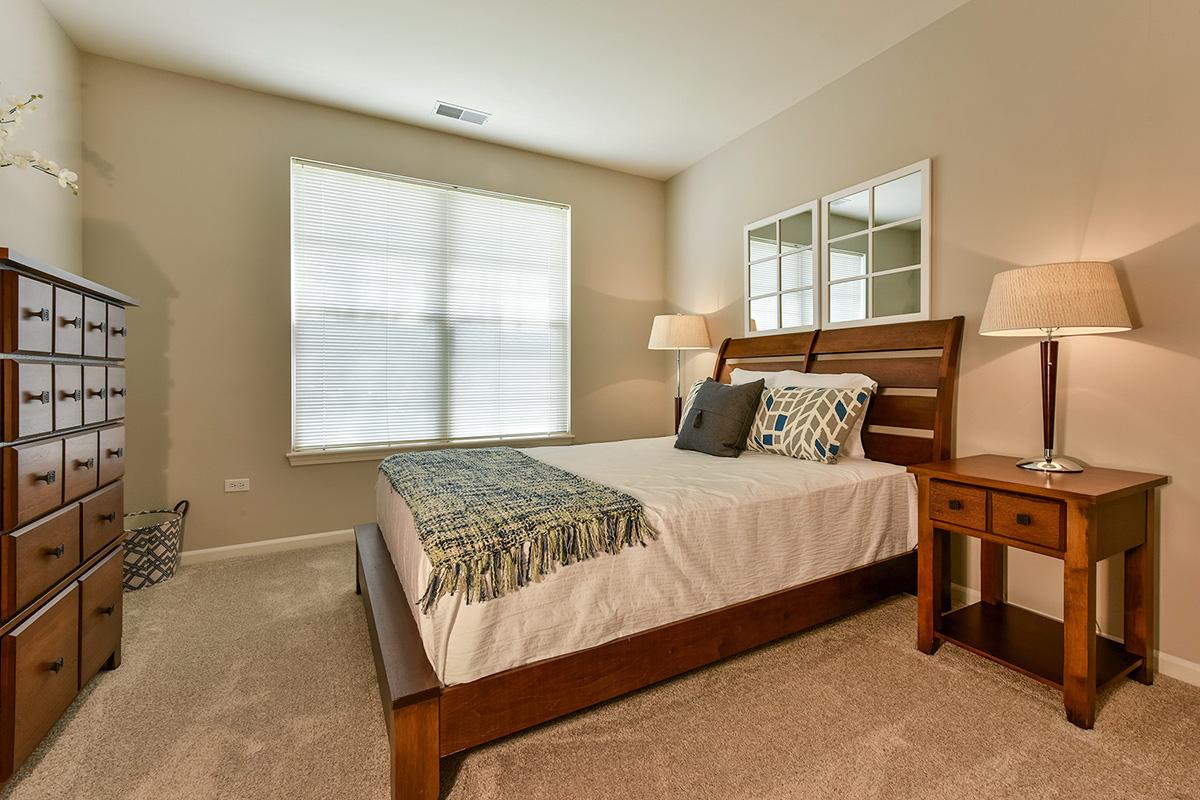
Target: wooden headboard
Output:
[{"x": 911, "y": 419}]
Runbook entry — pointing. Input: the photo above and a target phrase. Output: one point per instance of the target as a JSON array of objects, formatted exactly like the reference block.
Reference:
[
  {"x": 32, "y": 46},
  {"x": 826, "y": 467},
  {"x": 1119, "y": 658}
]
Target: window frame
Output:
[
  {"x": 747, "y": 263},
  {"x": 376, "y": 451}
]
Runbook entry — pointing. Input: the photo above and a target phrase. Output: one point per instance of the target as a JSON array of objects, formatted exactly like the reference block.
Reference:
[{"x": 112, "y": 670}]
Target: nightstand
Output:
[{"x": 1079, "y": 518}]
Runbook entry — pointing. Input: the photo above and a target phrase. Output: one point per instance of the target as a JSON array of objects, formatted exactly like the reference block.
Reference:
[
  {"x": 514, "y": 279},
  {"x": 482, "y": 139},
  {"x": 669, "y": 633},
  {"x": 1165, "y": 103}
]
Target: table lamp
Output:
[
  {"x": 678, "y": 332},
  {"x": 1051, "y": 301}
]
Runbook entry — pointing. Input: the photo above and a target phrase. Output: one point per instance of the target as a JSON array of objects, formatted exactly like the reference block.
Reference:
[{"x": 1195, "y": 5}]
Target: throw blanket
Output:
[{"x": 493, "y": 520}]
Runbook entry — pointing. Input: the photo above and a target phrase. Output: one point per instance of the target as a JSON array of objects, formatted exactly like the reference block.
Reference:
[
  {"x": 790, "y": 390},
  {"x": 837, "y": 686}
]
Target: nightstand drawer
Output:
[
  {"x": 1027, "y": 519},
  {"x": 961, "y": 505}
]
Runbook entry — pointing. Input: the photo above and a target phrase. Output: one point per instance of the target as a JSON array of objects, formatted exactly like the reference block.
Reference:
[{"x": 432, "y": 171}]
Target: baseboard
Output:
[
  {"x": 1165, "y": 663},
  {"x": 265, "y": 546}
]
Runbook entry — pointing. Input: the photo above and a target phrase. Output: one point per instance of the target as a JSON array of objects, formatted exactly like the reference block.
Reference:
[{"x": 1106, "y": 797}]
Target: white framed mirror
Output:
[{"x": 780, "y": 272}]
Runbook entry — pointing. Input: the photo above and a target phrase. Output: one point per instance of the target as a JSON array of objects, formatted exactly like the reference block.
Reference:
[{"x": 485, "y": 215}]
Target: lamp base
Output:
[{"x": 1051, "y": 464}]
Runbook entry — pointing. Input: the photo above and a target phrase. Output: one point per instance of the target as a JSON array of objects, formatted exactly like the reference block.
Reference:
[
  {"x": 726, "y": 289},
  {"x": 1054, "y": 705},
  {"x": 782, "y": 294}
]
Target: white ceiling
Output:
[{"x": 644, "y": 86}]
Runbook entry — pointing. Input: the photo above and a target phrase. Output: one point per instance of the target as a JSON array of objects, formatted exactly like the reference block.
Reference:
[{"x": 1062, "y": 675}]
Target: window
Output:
[
  {"x": 781, "y": 271},
  {"x": 876, "y": 247},
  {"x": 425, "y": 313}
]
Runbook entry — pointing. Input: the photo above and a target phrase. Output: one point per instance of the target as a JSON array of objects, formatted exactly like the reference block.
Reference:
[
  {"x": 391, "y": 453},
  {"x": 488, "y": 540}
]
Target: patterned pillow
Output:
[
  {"x": 812, "y": 424},
  {"x": 691, "y": 398}
]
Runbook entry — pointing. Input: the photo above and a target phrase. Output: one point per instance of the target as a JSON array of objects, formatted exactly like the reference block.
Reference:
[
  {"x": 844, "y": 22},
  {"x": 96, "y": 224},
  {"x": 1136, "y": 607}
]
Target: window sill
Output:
[{"x": 341, "y": 455}]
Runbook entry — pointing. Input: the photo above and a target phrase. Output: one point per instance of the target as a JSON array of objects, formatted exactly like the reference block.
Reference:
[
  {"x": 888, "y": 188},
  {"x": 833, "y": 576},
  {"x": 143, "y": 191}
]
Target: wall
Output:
[
  {"x": 37, "y": 217},
  {"x": 187, "y": 209},
  {"x": 1058, "y": 131}
]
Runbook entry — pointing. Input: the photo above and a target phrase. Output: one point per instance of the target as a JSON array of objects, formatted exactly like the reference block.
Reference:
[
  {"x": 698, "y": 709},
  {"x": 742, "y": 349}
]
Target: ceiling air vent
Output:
[{"x": 460, "y": 113}]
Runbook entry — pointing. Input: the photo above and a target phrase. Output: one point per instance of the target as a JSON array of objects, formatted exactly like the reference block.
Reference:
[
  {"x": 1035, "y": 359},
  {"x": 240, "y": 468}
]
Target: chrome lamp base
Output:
[{"x": 1049, "y": 462}]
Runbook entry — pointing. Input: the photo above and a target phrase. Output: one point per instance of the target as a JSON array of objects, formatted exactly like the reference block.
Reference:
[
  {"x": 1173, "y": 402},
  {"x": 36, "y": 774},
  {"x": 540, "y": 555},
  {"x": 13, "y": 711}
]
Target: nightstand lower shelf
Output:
[{"x": 1028, "y": 642}]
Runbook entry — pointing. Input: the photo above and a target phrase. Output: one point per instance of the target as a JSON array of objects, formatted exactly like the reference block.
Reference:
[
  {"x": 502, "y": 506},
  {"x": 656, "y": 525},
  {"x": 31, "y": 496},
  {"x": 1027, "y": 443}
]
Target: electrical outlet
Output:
[{"x": 237, "y": 484}]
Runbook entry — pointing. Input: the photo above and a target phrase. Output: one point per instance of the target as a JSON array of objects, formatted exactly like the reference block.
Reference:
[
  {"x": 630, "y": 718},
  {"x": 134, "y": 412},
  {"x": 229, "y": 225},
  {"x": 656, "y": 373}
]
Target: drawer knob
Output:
[
  {"x": 74, "y": 322},
  {"x": 108, "y": 610},
  {"x": 42, "y": 313},
  {"x": 87, "y": 463},
  {"x": 955, "y": 505},
  {"x": 119, "y": 331},
  {"x": 76, "y": 395},
  {"x": 1024, "y": 519},
  {"x": 109, "y": 517},
  {"x": 96, "y": 326},
  {"x": 57, "y": 552},
  {"x": 119, "y": 392},
  {"x": 56, "y": 666},
  {"x": 95, "y": 393},
  {"x": 117, "y": 453},
  {"x": 46, "y": 477},
  {"x": 43, "y": 397}
]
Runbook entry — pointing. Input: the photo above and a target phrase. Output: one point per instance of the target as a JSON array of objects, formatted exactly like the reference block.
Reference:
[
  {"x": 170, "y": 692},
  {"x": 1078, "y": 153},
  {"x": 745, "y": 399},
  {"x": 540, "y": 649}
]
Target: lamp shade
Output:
[
  {"x": 679, "y": 332},
  {"x": 1061, "y": 299}
]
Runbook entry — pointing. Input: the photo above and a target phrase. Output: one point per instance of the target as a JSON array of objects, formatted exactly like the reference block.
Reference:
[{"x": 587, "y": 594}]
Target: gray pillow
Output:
[{"x": 719, "y": 418}]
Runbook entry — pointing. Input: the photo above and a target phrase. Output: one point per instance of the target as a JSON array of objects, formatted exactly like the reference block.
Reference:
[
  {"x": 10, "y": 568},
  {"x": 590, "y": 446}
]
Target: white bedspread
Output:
[{"x": 729, "y": 529}]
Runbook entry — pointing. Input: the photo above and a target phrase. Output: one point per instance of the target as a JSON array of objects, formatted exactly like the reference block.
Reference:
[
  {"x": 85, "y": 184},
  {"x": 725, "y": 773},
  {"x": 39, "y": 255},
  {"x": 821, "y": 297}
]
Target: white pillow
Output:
[{"x": 813, "y": 380}]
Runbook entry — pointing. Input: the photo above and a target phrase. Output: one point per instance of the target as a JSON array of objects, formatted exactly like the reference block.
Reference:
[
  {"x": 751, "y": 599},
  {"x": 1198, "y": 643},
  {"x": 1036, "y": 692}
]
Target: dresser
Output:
[{"x": 62, "y": 459}]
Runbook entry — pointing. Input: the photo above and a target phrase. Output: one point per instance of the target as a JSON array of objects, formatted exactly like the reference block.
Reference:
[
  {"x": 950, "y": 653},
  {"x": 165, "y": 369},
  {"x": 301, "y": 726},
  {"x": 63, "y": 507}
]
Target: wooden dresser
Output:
[{"x": 61, "y": 462}]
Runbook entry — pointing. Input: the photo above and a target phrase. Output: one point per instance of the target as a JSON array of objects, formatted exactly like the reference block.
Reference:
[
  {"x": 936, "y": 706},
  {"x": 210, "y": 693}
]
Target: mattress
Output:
[{"x": 729, "y": 530}]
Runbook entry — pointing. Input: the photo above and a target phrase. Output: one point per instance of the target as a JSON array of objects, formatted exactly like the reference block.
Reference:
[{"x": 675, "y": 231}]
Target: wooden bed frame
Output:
[{"x": 908, "y": 422}]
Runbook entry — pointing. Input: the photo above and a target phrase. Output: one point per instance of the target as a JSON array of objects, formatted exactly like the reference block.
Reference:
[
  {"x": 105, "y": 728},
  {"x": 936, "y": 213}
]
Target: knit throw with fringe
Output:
[{"x": 493, "y": 520}]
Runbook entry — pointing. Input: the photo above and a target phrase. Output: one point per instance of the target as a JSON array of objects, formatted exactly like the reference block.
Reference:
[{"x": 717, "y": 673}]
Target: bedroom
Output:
[{"x": 661, "y": 136}]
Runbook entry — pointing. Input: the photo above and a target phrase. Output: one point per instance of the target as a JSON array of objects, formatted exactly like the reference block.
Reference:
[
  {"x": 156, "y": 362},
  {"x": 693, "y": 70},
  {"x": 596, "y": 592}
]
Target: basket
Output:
[{"x": 153, "y": 544}]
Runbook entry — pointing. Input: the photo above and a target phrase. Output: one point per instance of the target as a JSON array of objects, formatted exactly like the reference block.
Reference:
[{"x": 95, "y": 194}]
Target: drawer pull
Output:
[
  {"x": 57, "y": 552},
  {"x": 1024, "y": 519},
  {"x": 46, "y": 477},
  {"x": 43, "y": 314},
  {"x": 74, "y": 322},
  {"x": 56, "y": 666},
  {"x": 96, "y": 326},
  {"x": 76, "y": 395},
  {"x": 119, "y": 331},
  {"x": 109, "y": 517},
  {"x": 95, "y": 393},
  {"x": 117, "y": 453},
  {"x": 955, "y": 505},
  {"x": 43, "y": 397},
  {"x": 118, "y": 392},
  {"x": 108, "y": 610},
  {"x": 86, "y": 463}
]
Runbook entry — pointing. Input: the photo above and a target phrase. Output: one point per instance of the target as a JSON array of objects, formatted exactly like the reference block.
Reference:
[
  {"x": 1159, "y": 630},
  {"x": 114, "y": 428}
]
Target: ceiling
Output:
[{"x": 643, "y": 86}]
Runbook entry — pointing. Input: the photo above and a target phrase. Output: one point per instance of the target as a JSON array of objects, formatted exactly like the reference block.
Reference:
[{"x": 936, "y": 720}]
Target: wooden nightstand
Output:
[{"x": 1080, "y": 518}]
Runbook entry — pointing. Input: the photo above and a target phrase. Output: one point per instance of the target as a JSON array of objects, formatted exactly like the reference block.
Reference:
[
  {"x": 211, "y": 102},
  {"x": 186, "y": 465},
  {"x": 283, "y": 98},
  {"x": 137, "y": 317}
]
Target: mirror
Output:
[
  {"x": 796, "y": 231},
  {"x": 847, "y": 258},
  {"x": 896, "y": 293},
  {"x": 898, "y": 199},
  {"x": 848, "y": 301},
  {"x": 849, "y": 215},
  {"x": 796, "y": 270},
  {"x": 897, "y": 246},
  {"x": 761, "y": 242},
  {"x": 781, "y": 271},
  {"x": 764, "y": 313},
  {"x": 797, "y": 308},
  {"x": 764, "y": 277}
]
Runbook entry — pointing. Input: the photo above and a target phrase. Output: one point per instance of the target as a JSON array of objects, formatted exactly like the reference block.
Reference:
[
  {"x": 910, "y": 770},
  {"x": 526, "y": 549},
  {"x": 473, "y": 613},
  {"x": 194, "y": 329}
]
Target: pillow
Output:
[
  {"x": 853, "y": 447},
  {"x": 809, "y": 423},
  {"x": 691, "y": 396},
  {"x": 719, "y": 419}
]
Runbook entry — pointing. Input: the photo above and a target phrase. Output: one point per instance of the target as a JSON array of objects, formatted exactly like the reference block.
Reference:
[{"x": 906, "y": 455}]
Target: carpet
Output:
[{"x": 253, "y": 678}]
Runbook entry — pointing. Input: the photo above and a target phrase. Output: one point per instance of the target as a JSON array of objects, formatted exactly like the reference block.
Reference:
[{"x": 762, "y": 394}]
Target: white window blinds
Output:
[{"x": 425, "y": 313}]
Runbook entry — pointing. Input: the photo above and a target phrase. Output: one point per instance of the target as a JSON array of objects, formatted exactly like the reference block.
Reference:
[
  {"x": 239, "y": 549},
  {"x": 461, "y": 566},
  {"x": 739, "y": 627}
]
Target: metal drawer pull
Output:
[
  {"x": 74, "y": 322},
  {"x": 48, "y": 477},
  {"x": 955, "y": 505},
  {"x": 43, "y": 397},
  {"x": 57, "y": 552},
  {"x": 76, "y": 395},
  {"x": 1024, "y": 519},
  {"x": 96, "y": 326},
  {"x": 118, "y": 453},
  {"x": 119, "y": 331},
  {"x": 95, "y": 393},
  {"x": 108, "y": 610},
  {"x": 86, "y": 463},
  {"x": 56, "y": 666},
  {"x": 43, "y": 314},
  {"x": 109, "y": 517},
  {"x": 119, "y": 392}
]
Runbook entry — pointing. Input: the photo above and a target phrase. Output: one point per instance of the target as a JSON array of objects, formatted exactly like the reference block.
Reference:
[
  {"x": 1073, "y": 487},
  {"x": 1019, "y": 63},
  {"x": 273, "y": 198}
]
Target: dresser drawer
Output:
[
  {"x": 29, "y": 397},
  {"x": 961, "y": 505},
  {"x": 32, "y": 481},
  {"x": 81, "y": 465},
  {"x": 95, "y": 383},
  {"x": 68, "y": 322},
  {"x": 29, "y": 314},
  {"x": 103, "y": 518},
  {"x": 68, "y": 396},
  {"x": 41, "y": 662},
  {"x": 95, "y": 327},
  {"x": 38, "y": 556},
  {"x": 116, "y": 393},
  {"x": 112, "y": 453},
  {"x": 117, "y": 331},
  {"x": 1028, "y": 519},
  {"x": 100, "y": 614}
]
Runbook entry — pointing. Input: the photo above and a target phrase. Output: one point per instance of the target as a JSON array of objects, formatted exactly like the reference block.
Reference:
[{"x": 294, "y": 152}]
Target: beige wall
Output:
[
  {"x": 37, "y": 217},
  {"x": 188, "y": 210},
  {"x": 1058, "y": 130}
]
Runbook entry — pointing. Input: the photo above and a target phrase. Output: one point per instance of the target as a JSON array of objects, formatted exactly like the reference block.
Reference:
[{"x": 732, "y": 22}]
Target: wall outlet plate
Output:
[{"x": 237, "y": 484}]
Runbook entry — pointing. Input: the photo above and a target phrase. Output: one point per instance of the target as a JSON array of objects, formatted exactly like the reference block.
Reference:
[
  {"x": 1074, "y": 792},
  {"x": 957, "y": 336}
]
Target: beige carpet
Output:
[{"x": 253, "y": 679}]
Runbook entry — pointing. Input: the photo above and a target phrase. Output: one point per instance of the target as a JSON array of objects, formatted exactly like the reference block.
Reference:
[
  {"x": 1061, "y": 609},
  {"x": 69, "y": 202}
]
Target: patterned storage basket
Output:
[{"x": 153, "y": 544}]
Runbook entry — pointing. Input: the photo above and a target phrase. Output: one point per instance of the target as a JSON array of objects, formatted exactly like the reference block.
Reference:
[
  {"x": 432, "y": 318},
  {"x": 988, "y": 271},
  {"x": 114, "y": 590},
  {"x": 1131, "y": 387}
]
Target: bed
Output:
[{"x": 814, "y": 542}]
